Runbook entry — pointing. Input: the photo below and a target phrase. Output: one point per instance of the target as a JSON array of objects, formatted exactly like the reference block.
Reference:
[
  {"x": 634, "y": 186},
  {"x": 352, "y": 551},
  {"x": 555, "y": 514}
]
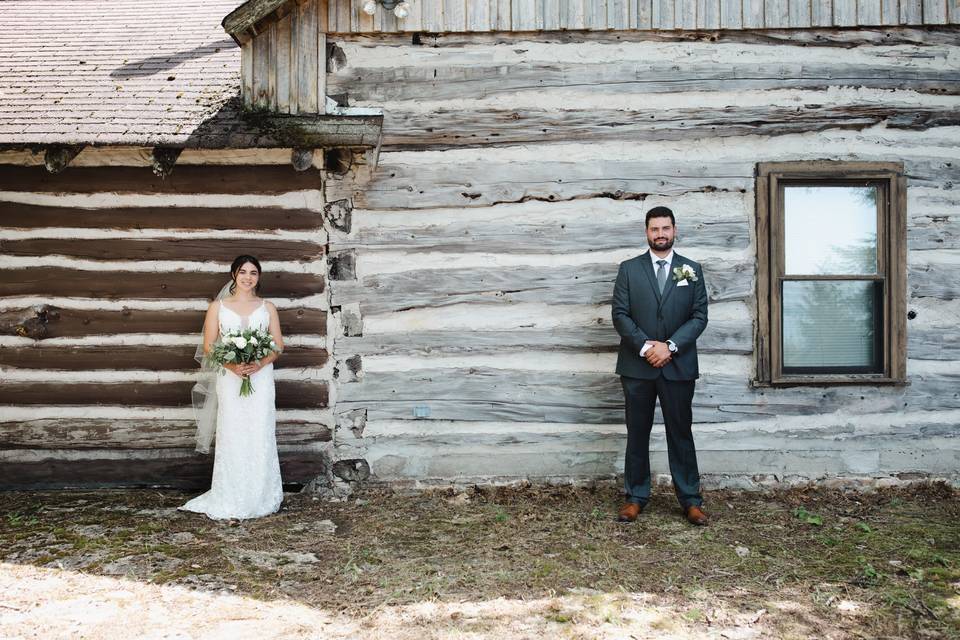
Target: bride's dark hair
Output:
[{"x": 238, "y": 262}]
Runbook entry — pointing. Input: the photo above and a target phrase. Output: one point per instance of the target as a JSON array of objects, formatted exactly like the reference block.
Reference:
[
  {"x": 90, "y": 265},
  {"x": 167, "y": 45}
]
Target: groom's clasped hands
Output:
[{"x": 658, "y": 355}]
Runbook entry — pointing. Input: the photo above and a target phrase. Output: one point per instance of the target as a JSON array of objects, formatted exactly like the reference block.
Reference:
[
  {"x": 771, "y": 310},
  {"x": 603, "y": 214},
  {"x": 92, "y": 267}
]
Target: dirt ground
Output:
[{"x": 518, "y": 562}]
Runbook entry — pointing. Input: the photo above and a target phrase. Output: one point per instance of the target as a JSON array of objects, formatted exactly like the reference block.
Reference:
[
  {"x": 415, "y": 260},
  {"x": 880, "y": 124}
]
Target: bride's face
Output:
[{"x": 246, "y": 278}]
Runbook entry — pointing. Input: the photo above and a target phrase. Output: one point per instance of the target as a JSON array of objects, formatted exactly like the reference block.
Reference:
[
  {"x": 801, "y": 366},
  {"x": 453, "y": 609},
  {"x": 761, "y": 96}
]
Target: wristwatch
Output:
[{"x": 671, "y": 346}]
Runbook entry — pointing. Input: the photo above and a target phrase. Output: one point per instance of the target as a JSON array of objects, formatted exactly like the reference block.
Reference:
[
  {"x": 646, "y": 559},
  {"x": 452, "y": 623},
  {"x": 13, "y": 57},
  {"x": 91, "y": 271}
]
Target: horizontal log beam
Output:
[
  {"x": 188, "y": 471},
  {"x": 478, "y": 127},
  {"x": 87, "y": 433},
  {"x": 494, "y": 181},
  {"x": 222, "y": 250},
  {"x": 138, "y": 357},
  {"x": 484, "y": 183},
  {"x": 55, "y": 322},
  {"x": 56, "y": 281},
  {"x": 259, "y": 179},
  {"x": 839, "y": 434},
  {"x": 933, "y": 280},
  {"x": 837, "y": 448},
  {"x": 290, "y": 394},
  {"x": 582, "y": 284},
  {"x": 937, "y": 343},
  {"x": 31, "y": 216},
  {"x": 481, "y": 393},
  {"x": 453, "y": 80},
  {"x": 719, "y": 337},
  {"x": 562, "y": 234}
]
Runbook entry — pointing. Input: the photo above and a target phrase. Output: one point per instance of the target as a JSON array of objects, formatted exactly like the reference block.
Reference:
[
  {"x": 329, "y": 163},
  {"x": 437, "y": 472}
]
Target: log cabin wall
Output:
[
  {"x": 107, "y": 271},
  {"x": 513, "y": 177},
  {"x": 283, "y": 52}
]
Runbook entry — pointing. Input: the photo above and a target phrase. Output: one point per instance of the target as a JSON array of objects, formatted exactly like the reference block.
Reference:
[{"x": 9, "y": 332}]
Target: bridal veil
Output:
[{"x": 204, "y": 392}]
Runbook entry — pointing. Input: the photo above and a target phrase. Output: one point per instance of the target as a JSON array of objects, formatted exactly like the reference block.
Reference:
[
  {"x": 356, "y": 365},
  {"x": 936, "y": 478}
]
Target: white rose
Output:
[
  {"x": 240, "y": 341},
  {"x": 253, "y": 340}
]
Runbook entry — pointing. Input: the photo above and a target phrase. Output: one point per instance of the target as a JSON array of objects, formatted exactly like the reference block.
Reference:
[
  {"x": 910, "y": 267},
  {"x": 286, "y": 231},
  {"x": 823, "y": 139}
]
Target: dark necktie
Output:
[{"x": 662, "y": 274}]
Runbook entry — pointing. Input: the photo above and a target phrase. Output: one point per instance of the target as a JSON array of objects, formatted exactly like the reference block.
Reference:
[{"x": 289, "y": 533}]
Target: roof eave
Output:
[{"x": 253, "y": 16}]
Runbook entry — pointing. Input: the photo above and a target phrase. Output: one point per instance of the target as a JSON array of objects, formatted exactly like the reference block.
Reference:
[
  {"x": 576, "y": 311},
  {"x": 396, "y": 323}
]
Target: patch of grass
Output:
[
  {"x": 806, "y": 517},
  {"x": 693, "y": 615},
  {"x": 17, "y": 519},
  {"x": 544, "y": 569},
  {"x": 559, "y": 617}
]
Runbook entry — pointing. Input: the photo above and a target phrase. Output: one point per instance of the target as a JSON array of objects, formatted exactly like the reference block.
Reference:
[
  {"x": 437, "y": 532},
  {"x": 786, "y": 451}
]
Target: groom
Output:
[{"x": 659, "y": 310}]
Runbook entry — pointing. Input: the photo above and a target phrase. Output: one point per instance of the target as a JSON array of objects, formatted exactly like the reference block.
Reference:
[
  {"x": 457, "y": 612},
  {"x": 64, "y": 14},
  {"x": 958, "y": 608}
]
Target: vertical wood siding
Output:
[
  {"x": 487, "y": 240},
  {"x": 346, "y": 16},
  {"x": 107, "y": 273},
  {"x": 284, "y": 67}
]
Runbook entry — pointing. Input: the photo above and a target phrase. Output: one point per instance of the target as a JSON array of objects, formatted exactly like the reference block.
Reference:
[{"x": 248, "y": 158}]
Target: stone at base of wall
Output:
[
  {"x": 330, "y": 488},
  {"x": 709, "y": 481}
]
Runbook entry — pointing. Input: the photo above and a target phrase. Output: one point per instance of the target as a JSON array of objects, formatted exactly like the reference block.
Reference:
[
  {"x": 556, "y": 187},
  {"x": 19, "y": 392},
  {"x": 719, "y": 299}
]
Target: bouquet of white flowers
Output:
[{"x": 242, "y": 347}]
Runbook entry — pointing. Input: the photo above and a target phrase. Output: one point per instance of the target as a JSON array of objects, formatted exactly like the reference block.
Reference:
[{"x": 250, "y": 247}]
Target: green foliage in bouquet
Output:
[{"x": 242, "y": 347}]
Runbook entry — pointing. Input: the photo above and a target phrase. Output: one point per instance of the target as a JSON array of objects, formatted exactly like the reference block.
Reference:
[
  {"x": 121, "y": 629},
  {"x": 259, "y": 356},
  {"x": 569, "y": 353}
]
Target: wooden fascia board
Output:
[
  {"x": 308, "y": 132},
  {"x": 253, "y": 16},
  {"x": 262, "y": 131}
]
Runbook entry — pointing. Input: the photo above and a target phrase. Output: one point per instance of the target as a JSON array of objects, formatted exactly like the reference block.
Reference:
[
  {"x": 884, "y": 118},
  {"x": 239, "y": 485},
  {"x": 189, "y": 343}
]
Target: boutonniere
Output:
[{"x": 684, "y": 272}]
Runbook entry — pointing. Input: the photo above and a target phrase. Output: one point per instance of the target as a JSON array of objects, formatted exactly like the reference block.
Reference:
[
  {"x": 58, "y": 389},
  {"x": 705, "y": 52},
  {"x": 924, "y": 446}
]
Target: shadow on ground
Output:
[{"x": 521, "y": 562}]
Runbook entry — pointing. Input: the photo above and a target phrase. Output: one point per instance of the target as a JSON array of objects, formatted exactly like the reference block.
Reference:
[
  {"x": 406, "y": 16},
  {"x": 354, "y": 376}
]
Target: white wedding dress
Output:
[{"x": 246, "y": 470}]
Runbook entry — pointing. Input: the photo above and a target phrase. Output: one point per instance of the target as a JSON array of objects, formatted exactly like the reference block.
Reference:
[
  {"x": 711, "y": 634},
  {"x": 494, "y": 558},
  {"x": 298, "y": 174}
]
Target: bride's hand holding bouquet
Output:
[{"x": 240, "y": 353}]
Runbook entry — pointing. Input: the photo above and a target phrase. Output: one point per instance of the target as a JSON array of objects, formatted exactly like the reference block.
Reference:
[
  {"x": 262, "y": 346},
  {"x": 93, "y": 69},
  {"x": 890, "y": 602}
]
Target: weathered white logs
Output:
[{"x": 513, "y": 178}]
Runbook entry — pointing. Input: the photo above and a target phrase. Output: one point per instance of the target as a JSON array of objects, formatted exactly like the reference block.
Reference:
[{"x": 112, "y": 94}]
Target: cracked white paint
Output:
[
  {"x": 317, "y": 301},
  {"x": 558, "y": 99},
  {"x": 480, "y": 317},
  {"x": 867, "y": 144},
  {"x": 307, "y": 199},
  {"x": 361, "y": 55}
]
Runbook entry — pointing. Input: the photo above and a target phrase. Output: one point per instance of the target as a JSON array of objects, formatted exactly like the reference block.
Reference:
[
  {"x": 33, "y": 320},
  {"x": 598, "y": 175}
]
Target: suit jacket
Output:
[{"x": 641, "y": 313}]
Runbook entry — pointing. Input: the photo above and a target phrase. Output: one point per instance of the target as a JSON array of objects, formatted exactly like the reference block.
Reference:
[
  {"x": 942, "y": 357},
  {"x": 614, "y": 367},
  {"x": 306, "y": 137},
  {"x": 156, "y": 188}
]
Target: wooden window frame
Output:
[{"x": 892, "y": 260}]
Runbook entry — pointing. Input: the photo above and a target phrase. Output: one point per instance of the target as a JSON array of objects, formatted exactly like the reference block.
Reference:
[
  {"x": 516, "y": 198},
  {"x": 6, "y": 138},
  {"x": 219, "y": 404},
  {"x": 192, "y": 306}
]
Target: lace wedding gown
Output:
[{"x": 246, "y": 470}]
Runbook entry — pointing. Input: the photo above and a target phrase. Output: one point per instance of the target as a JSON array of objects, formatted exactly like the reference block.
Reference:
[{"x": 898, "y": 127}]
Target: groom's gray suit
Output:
[{"x": 679, "y": 315}]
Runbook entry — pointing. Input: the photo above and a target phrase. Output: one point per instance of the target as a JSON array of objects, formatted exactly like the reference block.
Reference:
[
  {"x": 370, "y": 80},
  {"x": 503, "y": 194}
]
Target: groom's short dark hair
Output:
[{"x": 660, "y": 212}]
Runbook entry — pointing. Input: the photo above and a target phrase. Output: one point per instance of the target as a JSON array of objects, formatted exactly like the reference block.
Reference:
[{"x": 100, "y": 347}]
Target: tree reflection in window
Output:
[{"x": 830, "y": 230}]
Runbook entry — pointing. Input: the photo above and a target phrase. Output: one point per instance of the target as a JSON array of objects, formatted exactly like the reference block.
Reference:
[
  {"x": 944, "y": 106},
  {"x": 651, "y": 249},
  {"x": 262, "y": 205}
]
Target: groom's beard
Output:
[{"x": 661, "y": 244}]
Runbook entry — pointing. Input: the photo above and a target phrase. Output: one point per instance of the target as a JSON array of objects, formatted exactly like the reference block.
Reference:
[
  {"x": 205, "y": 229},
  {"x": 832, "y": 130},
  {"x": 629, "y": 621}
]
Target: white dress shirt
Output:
[{"x": 654, "y": 259}]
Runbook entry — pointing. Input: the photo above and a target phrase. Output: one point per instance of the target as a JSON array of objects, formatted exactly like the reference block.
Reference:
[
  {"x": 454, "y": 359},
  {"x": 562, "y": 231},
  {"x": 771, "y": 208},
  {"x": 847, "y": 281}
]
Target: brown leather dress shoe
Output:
[
  {"x": 629, "y": 512},
  {"x": 695, "y": 515}
]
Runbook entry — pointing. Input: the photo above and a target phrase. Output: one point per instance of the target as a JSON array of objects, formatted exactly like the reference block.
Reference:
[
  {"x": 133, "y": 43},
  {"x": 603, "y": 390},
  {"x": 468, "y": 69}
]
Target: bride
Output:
[{"x": 246, "y": 470}]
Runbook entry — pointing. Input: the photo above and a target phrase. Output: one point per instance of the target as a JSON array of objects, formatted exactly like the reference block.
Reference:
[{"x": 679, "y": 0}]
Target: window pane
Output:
[
  {"x": 832, "y": 325},
  {"x": 830, "y": 230}
]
